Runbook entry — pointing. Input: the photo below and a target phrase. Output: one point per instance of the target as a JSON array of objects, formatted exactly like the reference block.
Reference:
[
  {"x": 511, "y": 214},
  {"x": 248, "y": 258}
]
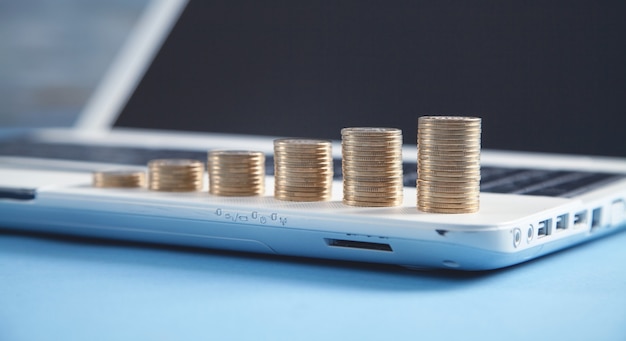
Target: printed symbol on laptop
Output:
[
  {"x": 234, "y": 217},
  {"x": 253, "y": 217}
]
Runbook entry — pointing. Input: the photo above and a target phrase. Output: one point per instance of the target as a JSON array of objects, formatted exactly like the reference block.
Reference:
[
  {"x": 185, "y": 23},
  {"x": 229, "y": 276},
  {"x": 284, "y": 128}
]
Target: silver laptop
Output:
[{"x": 197, "y": 76}]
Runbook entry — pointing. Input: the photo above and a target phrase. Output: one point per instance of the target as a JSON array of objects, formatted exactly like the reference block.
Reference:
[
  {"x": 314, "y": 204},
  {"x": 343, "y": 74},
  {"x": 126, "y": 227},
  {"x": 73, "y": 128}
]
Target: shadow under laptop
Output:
[{"x": 208, "y": 261}]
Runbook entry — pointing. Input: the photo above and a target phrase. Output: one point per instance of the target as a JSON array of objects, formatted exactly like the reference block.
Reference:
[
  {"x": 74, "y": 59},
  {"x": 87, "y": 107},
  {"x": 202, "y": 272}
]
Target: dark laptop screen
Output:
[{"x": 544, "y": 75}]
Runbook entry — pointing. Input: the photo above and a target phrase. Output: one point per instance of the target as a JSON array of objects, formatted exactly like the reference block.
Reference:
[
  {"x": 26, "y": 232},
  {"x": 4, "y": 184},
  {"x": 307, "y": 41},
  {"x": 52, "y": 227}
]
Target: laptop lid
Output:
[
  {"x": 130, "y": 65},
  {"x": 546, "y": 77},
  {"x": 54, "y": 54}
]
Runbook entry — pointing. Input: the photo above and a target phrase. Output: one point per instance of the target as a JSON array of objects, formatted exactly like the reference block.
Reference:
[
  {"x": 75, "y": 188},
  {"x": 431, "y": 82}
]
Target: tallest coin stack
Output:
[{"x": 448, "y": 164}]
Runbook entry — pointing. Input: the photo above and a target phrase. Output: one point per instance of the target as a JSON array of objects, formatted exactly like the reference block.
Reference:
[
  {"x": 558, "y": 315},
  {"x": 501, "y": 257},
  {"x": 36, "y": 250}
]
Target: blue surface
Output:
[{"x": 74, "y": 289}]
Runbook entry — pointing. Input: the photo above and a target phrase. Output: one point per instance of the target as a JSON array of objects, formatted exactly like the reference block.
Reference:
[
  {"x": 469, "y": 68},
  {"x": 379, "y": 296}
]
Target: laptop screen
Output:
[{"x": 544, "y": 76}]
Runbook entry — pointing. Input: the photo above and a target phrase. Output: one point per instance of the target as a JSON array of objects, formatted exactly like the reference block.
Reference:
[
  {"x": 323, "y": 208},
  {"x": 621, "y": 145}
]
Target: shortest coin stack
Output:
[
  {"x": 303, "y": 169},
  {"x": 175, "y": 175},
  {"x": 236, "y": 173},
  {"x": 119, "y": 179},
  {"x": 448, "y": 164},
  {"x": 372, "y": 166}
]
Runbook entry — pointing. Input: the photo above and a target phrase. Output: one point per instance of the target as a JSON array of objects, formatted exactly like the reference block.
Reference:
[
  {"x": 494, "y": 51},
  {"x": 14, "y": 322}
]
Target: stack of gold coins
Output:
[
  {"x": 119, "y": 179},
  {"x": 236, "y": 173},
  {"x": 448, "y": 164},
  {"x": 303, "y": 169},
  {"x": 372, "y": 166},
  {"x": 175, "y": 175}
]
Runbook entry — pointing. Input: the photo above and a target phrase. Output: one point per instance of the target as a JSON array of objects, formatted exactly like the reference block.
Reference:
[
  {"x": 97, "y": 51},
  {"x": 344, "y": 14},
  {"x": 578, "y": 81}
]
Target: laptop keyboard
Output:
[{"x": 493, "y": 179}]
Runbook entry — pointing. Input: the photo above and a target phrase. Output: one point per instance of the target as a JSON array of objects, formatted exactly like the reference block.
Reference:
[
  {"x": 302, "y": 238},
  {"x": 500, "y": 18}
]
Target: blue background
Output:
[{"x": 78, "y": 289}]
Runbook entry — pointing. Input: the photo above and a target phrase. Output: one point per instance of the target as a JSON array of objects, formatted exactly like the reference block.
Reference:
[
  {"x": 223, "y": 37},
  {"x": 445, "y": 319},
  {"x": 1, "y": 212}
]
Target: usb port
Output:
[
  {"x": 562, "y": 222},
  {"x": 580, "y": 218},
  {"x": 544, "y": 228},
  {"x": 596, "y": 217}
]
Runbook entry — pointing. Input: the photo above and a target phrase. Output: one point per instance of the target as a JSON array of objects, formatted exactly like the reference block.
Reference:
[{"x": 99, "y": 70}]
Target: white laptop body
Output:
[{"x": 53, "y": 195}]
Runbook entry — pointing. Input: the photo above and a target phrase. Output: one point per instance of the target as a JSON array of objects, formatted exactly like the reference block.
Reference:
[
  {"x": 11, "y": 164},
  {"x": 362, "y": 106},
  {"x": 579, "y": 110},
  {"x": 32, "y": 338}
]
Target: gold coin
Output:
[
  {"x": 449, "y": 210},
  {"x": 463, "y": 121},
  {"x": 175, "y": 175},
  {"x": 303, "y": 186},
  {"x": 452, "y": 185},
  {"x": 377, "y": 175},
  {"x": 449, "y": 183},
  {"x": 302, "y": 196},
  {"x": 451, "y": 199},
  {"x": 467, "y": 158},
  {"x": 302, "y": 143},
  {"x": 457, "y": 204},
  {"x": 242, "y": 191},
  {"x": 384, "y": 159},
  {"x": 449, "y": 129},
  {"x": 446, "y": 146},
  {"x": 449, "y": 169},
  {"x": 232, "y": 166},
  {"x": 305, "y": 166},
  {"x": 236, "y": 184},
  {"x": 369, "y": 131},
  {"x": 303, "y": 169},
  {"x": 372, "y": 166},
  {"x": 450, "y": 146},
  {"x": 447, "y": 192},
  {"x": 236, "y": 172},
  {"x": 119, "y": 178},
  {"x": 448, "y": 172},
  {"x": 324, "y": 168},
  {"x": 375, "y": 201},
  {"x": 454, "y": 182},
  {"x": 388, "y": 187},
  {"x": 454, "y": 202},
  {"x": 236, "y": 156},
  {"x": 372, "y": 182},
  {"x": 435, "y": 130},
  {"x": 372, "y": 141},
  {"x": 372, "y": 203},
  {"x": 369, "y": 181},
  {"x": 447, "y": 164},
  {"x": 376, "y": 196},
  {"x": 449, "y": 141},
  {"x": 175, "y": 164}
]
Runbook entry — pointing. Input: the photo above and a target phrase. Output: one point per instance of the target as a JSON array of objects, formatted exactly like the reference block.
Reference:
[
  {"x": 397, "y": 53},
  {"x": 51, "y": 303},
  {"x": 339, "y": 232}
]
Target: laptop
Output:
[{"x": 546, "y": 79}]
